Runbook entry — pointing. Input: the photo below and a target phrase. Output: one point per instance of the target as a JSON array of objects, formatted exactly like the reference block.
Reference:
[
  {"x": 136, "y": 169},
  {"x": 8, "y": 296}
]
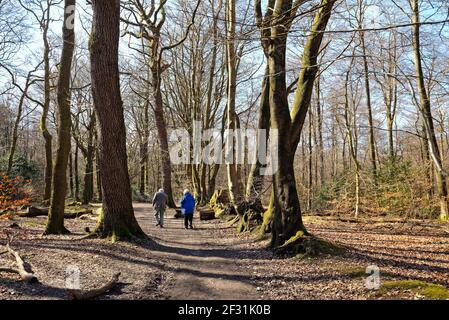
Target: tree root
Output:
[
  {"x": 115, "y": 235},
  {"x": 303, "y": 245},
  {"x": 90, "y": 294},
  {"x": 22, "y": 266},
  {"x": 53, "y": 231},
  {"x": 233, "y": 221}
]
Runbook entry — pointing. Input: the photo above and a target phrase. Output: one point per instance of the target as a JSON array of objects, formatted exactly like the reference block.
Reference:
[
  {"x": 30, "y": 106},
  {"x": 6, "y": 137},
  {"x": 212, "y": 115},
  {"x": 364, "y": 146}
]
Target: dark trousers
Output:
[{"x": 188, "y": 219}]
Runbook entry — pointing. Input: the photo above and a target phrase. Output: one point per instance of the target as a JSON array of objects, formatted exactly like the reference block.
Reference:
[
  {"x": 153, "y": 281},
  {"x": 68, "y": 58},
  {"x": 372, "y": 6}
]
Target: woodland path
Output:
[{"x": 204, "y": 265}]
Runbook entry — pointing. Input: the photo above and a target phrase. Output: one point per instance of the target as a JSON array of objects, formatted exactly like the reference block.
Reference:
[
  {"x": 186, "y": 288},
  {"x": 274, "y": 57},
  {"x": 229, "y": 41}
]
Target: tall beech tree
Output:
[
  {"x": 149, "y": 18},
  {"x": 118, "y": 220},
  {"x": 232, "y": 167},
  {"x": 426, "y": 112},
  {"x": 55, "y": 222},
  {"x": 371, "y": 142},
  {"x": 287, "y": 225},
  {"x": 41, "y": 11}
]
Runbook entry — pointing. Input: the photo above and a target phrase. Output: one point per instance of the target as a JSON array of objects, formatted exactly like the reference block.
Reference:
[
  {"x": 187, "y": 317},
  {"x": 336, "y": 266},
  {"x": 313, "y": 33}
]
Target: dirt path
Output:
[
  {"x": 203, "y": 267},
  {"x": 213, "y": 262}
]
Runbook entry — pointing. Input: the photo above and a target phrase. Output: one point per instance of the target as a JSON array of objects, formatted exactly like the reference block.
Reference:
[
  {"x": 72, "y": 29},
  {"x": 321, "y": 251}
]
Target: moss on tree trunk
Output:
[{"x": 55, "y": 222}]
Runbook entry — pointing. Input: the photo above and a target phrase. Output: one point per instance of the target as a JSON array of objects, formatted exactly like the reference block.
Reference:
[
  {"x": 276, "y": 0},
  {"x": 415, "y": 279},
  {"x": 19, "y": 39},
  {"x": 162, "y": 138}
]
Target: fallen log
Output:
[
  {"x": 34, "y": 212},
  {"x": 90, "y": 294},
  {"x": 207, "y": 214},
  {"x": 76, "y": 214}
]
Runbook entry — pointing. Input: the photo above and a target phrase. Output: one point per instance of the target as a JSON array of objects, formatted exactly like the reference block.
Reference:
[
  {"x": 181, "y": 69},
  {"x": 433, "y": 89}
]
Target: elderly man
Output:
[{"x": 159, "y": 204}]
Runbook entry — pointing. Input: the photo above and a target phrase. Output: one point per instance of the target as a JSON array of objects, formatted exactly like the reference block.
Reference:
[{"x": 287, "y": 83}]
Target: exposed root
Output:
[
  {"x": 308, "y": 246},
  {"x": 90, "y": 294},
  {"x": 118, "y": 234},
  {"x": 250, "y": 220},
  {"x": 233, "y": 221},
  {"x": 52, "y": 231}
]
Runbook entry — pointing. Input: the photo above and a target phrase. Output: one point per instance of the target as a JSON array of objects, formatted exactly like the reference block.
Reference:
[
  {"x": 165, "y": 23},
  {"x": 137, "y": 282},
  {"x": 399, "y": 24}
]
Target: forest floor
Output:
[{"x": 213, "y": 262}]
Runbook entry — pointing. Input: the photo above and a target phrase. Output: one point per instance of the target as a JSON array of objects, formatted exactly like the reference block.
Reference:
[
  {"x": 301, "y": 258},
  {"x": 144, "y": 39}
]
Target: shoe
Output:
[
  {"x": 191, "y": 227},
  {"x": 161, "y": 226},
  {"x": 157, "y": 224}
]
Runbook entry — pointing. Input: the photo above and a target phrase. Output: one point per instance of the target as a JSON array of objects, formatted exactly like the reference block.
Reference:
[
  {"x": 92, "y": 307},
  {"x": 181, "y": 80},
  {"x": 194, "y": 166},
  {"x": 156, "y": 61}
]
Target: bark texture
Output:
[
  {"x": 118, "y": 218},
  {"x": 55, "y": 222}
]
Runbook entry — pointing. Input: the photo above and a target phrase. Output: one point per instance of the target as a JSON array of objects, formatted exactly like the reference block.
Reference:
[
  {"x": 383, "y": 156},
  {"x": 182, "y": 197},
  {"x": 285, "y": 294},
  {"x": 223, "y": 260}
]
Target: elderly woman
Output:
[{"x": 188, "y": 206}]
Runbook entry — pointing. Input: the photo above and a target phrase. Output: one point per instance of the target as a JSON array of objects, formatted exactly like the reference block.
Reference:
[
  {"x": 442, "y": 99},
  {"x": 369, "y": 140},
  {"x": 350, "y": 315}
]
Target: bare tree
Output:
[
  {"x": 55, "y": 222},
  {"x": 118, "y": 219},
  {"x": 149, "y": 19},
  {"x": 426, "y": 112}
]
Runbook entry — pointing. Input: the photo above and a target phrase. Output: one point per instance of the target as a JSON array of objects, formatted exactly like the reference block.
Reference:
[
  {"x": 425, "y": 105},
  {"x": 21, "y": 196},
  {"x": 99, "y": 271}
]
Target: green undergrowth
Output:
[{"x": 426, "y": 289}]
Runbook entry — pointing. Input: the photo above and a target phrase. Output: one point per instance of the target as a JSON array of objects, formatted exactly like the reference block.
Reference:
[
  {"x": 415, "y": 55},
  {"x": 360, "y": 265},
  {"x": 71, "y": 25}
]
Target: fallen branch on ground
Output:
[
  {"x": 90, "y": 294},
  {"x": 21, "y": 269}
]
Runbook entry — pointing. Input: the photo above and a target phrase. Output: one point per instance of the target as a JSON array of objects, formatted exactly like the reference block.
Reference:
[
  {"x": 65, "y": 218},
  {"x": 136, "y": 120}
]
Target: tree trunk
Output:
[
  {"x": 77, "y": 181},
  {"x": 287, "y": 219},
  {"x": 97, "y": 166},
  {"x": 162, "y": 134},
  {"x": 235, "y": 192},
  {"x": 427, "y": 115},
  {"x": 118, "y": 220},
  {"x": 143, "y": 150},
  {"x": 15, "y": 131},
  {"x": 351, "y": 143},
  {"x": 43, "y": 121},
  {"x": 71, "y": 182},
  {"x": 255, "y": 178},
  {"x": 144, "y": 158},
  {"x": 371, "y": 143},
  {"x": 310, "y": 164},
  {"x": 55, "y": 222},
  {"x": 88, "y": 191},
  {"x": 320, "y": 130}
]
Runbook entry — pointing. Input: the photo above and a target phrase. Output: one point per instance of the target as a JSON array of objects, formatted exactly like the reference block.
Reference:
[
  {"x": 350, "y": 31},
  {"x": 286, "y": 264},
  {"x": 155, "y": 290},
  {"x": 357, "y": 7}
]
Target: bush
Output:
[
  {"x": 14, "y": 192},
  {"x": 400, "y": 189},
  {"x": 21, "y": 167}
]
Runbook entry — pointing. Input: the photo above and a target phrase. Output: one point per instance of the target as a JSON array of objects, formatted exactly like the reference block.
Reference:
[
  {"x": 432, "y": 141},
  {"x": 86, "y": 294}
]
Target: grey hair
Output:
[
  {"x": 161, "y": 190},
  {"x": 186, "y": 191}
]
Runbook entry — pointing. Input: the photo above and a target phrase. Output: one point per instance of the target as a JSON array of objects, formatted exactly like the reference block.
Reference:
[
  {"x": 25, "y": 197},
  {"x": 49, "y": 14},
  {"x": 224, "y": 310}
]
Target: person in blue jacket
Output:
[{"x": 188, "y": 206}]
